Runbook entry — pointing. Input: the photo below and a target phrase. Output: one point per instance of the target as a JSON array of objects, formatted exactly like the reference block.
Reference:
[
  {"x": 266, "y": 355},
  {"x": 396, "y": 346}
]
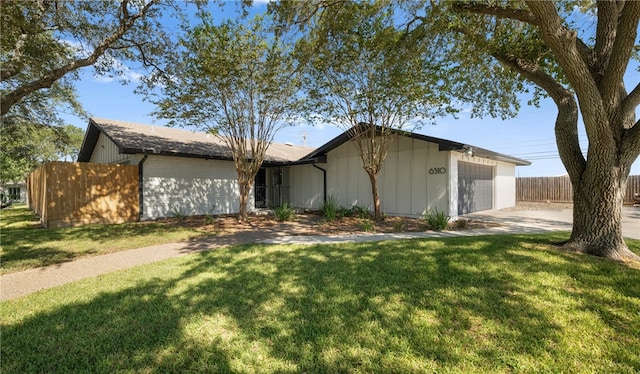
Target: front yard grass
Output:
[
  {"x": 498, "y": 304},
  {"x": 24, "y": 244}
]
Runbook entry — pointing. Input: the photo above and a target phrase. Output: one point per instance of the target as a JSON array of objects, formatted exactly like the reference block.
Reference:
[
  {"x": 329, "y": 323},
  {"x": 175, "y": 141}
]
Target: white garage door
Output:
[{"x": 475, "y": 187}]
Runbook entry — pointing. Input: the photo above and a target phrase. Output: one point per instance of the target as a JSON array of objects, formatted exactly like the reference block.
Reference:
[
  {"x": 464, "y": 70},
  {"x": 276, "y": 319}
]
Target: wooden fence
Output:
[
  {"x": 73, "y": 193},
  {"x": 559, "y": 189}
]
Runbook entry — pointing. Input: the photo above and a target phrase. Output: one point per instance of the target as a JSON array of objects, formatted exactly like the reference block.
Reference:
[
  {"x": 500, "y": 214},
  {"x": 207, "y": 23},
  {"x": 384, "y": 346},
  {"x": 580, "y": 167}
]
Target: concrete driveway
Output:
[{"x": 555, "y": 219}]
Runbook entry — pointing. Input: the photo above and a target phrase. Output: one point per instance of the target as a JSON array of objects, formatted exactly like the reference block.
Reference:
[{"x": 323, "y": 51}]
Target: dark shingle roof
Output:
[{"x": 131, "y": 138}]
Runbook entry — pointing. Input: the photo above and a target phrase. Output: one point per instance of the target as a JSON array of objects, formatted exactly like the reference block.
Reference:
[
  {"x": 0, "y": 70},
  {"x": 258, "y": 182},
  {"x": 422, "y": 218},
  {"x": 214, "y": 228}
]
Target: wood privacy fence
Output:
[
  {"x": 559, "y": 189},
  {"x": 74, "y": 193}
]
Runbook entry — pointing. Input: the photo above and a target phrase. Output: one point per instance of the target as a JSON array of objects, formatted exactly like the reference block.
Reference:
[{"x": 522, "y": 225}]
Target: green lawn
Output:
[
  {"x": 480, "y": 304},
  {"x": 24, "y": 244}
]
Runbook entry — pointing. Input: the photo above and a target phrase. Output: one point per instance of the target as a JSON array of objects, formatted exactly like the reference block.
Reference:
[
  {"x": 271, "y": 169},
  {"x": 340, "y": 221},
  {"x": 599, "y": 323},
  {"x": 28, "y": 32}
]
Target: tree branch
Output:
[
  {"x": 562, "y": 43},
  {"x": 49, "y": 78},
  {"x": 522, "y": 16},
  {"x": 630, "y": 147},
  {"x": 566, "y": 127},
  {"x": 498, "y": 11},
  {"x": 625, "y": 35},
  {"x": 605, "y": 36},
  {"x": 631, "y": 102}
]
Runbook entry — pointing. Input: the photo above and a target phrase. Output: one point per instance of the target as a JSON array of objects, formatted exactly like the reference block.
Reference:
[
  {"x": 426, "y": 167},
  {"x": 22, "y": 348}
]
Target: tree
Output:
[
  {"x": 236, "y": 81},
  {"x": 574, "y": 52},
  {"x": 44, "y": 43},
  {"x": 356, "y": 64},
  {"x": 26, "y": 146},
  {"x": 578, "y": 56}
]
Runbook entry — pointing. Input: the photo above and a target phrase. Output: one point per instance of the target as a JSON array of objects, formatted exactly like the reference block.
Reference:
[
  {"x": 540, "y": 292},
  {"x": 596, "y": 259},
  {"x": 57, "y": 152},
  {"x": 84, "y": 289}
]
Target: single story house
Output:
[
  {"x": 13, "y": 191},
  {"x": 192, "y": 173}
]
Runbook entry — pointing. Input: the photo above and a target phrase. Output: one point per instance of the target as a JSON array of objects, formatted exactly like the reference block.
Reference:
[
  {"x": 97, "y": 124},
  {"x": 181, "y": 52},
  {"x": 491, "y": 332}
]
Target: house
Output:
[
  {"x": 13, "y": 191},
  {"x": 192, "y": 173}
]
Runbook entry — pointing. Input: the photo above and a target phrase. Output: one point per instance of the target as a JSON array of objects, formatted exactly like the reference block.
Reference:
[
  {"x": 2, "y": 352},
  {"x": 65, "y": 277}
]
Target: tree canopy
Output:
[
  {"x": 575, "y": 52},
  {"x": 234, "y": 80},
  {"x": 25, "y": 146},
  {"x": 45, "y": 43},
  {"x": 356, "y": 66}
]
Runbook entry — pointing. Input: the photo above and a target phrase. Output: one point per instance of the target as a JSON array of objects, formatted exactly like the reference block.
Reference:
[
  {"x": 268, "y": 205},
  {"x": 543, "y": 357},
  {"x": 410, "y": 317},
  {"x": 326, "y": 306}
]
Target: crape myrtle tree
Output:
[
  {"x": 366, "y": 76},
  {"x": 577, "y": 53},
  {"x": 236, "y": 80}
]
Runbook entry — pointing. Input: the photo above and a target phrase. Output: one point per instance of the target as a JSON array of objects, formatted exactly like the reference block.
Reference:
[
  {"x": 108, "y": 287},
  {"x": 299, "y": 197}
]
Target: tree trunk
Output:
[
  {"x": 377, "y": 213},
  {"x": 597, "y": 214},
  {"x": 245, "y": 189}
]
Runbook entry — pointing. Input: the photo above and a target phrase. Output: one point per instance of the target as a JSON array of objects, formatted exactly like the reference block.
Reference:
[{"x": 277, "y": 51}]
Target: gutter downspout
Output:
[
  {"x": 140, "y": 187},
  {"x": 324, "y": 180}
]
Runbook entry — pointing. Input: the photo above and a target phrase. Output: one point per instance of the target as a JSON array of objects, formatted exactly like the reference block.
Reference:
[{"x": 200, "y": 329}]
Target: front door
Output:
[{"x": 260, "y": 189}]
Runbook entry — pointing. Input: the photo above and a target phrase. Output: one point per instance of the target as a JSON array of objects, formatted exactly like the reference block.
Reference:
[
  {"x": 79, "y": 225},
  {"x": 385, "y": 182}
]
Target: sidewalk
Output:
[{"x": 22, "y": 283}]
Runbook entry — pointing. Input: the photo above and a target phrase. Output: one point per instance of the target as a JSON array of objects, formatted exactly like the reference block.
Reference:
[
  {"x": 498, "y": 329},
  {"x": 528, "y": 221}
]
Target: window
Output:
[{"x": 14, "y": 193}]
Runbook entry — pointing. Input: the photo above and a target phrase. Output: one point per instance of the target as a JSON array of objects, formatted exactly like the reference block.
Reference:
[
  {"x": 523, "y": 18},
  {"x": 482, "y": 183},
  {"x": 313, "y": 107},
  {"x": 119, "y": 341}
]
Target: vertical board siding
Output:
[
  {"x": 74, "y": 193},
  {"x": 559, "y": 189},
  {"x": 189, "y": 186}
]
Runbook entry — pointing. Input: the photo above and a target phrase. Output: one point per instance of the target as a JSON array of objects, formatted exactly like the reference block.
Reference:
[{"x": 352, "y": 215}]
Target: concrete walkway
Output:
[
  {"x": 556, "y": 219},
  {"x": 19, "y": 284}
]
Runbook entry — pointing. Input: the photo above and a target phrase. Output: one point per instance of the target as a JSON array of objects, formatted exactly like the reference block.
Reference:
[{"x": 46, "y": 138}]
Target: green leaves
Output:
[
  {"x": 360, "y": 67},
  {"x": 25, "y": 146},
  {"x": 235, "y": 79},
  {"x": 228, "y": 76},
  {"x": 45, "y": 43}
]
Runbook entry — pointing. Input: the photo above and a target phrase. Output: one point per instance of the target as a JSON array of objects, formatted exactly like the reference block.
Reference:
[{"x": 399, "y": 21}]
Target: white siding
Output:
[
  {"x": 306, "y": 184},
  {"x": 346, "y": 178},
  {"x": 189, "y": 186},
  {"x": 505, "y": 186},
  {"x": 106, "y": 152},
  {"x": 404, "y": 183}
]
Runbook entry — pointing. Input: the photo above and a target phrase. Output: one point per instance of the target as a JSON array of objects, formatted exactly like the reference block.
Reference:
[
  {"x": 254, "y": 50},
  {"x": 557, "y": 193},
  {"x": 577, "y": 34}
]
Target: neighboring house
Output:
[
  {"x": 192, "y": 173},
  {"x": 13, "y": 191}
]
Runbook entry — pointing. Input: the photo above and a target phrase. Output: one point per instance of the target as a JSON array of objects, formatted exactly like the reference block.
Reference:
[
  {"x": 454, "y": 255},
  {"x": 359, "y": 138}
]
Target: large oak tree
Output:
[
  {"x": 577, "y": 55},
  {"x": 45, "y": 43},
  {"x": 43, "y": 46}
]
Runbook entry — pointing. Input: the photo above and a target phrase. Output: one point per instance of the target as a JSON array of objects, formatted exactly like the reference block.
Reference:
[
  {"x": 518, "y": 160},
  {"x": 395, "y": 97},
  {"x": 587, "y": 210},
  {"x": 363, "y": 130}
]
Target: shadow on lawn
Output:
[
  {"x": 30, "y": 244},
  {"x": 381, "y": 307}
]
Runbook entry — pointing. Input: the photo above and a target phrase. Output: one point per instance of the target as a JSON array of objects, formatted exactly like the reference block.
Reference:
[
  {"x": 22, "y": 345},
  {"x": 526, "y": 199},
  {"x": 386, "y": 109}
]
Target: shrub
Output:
[
  {"x": 360, "y": 212},
  {"x": 209, "y": 219},
  {"x": 461, "y": 224},
  {"x": 367, "y": 225},
  {"x": 178, "y": 215},
  {"x": 398, "y": 226},
  {"x": 343, "y": 212},
  {"x": 436, "y": 220},
  {"x": 285, "y": 212},
  {"x": 329, "y": 208}
]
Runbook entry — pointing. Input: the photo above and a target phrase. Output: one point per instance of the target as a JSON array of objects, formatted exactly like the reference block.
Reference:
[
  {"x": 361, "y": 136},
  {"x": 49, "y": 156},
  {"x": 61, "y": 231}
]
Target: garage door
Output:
[{"x": 475, "y": 187}]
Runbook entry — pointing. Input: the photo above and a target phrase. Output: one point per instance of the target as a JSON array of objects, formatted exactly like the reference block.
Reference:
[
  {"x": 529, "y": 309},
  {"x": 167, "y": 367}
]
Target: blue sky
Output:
[{"x": 530, "y": 135}]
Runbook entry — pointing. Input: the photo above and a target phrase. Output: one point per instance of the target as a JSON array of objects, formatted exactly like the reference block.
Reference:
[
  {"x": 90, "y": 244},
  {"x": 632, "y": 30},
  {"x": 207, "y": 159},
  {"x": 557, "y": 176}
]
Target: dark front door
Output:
[{"x": 260, "y": 189}]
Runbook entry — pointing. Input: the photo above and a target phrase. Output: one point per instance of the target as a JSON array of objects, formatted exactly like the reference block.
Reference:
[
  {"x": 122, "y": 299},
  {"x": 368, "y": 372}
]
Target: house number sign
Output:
[{"x": 438, "y": 171}]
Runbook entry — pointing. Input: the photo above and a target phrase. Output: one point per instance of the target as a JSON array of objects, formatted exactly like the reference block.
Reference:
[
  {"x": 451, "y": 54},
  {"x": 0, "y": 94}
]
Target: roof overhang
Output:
[{"x": 443, "y": 145}]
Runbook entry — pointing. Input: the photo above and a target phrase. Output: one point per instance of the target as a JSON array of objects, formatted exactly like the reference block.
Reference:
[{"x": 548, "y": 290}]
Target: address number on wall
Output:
[{"x": 438, "y": 171}]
